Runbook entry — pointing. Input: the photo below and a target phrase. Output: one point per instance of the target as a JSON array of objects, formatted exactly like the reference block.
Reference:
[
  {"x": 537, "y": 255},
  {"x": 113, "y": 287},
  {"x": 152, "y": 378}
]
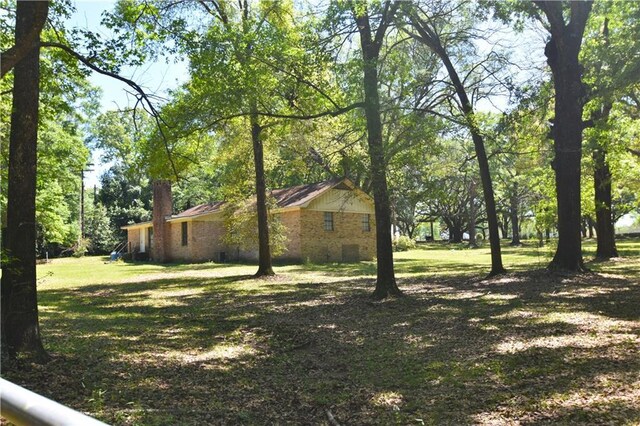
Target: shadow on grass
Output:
[
  {"x": 527, "y": 347},
  {"x": 228, "y": 350},
  {"x": 175, "y": 266}
]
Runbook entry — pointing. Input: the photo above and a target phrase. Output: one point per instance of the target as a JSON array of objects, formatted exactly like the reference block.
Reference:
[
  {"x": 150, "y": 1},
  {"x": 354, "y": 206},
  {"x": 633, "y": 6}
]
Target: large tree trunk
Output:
[
  {"x": 20, "y": 328},
  {"x": 515, "y": 219},
  {"x": 504, "y": 224},
  {"x": 606, "y": 248},
  {"x": 386, "y": 281},
  {"x": 605, "y": 230},
  {"x": 264, "y": 249},
  {"x": 455, "y": 234},
  {"x": 27, "y": 41},
  {"x": 562, "y": 53}
]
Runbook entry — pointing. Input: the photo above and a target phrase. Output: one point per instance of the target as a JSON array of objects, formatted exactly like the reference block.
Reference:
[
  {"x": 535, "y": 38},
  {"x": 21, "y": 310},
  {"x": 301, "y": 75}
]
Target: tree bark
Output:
[
  {"x": 503, "y": 227},
  {"x": 28, "y": 40},
  {"x": 455, "y": 234},
  {"x": 385, "y": 281},
  {"x": 583, "y": 227},
  {"x": 562, "y": 53},
  {"x": 265, "y": 267},
  {"x": 20, "y": 327},
  {"x": 605, "y": 230},
  {"x": 515, "y": 219}
]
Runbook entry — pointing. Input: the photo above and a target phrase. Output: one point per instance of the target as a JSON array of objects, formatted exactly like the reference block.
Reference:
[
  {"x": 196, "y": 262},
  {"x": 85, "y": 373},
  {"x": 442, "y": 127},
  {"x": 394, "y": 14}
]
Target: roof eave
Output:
[
  {"x": 191, "y": 217},
  {"x": 138, "y": 225},
  {"x": 345, "y": 180}
]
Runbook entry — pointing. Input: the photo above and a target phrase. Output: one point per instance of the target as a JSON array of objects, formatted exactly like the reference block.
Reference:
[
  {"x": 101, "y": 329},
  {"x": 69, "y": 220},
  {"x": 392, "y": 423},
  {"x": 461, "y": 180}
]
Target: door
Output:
[
  {"x": 350, "y": 252},
  {"x": 143, "y": 240}
]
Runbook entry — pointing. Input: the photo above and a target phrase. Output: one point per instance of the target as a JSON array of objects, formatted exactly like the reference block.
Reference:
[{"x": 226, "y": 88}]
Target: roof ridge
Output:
[
  {"x": 336, "y": 179},
  {"x": 293, "y": 196}
]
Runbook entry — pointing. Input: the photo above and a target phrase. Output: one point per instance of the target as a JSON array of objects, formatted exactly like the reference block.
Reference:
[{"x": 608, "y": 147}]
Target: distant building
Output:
[{"x": 331, "y": 221}]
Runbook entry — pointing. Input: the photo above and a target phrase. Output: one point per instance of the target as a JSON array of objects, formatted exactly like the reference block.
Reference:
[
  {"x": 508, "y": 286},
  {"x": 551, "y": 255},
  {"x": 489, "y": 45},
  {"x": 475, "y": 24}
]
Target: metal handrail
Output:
[
  {"x": 23, "y": 407},
  {"x": 120, "y": 246}
]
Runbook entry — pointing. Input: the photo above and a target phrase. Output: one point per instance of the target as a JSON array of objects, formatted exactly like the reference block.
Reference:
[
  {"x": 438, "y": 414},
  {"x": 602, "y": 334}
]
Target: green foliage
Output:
[
  {"x": 612, "y": 71},
  {"x": 127, "y": 200},
  {"x": 66, "y": 100},
  {"x": 81, "y": 247},
  {"x": 123, "y": 138},
  {"x": 61, "y": 157},
  {"x": 403, "y": 243},
  {"x": 99, "y": 230},
  {"x": 612, "y": 40},
  {"x": 523, "y": 176},
  {"x": 251, "y": 58},
  {"x": 241, "y": 223}
]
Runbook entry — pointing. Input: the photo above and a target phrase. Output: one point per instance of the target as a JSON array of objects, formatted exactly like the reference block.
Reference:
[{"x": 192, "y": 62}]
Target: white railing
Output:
[{"x": 23, "y": 407}]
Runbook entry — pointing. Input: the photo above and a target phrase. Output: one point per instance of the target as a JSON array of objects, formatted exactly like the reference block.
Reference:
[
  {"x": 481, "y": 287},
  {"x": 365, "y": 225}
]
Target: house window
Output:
[
  {"x": 366, "y": 223},
  {"x": 328, "y": 221},
  {"x": 185, "y": 234}
]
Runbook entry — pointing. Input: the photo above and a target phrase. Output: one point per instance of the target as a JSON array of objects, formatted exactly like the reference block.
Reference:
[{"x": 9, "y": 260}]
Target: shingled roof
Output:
[
  {"x": 297, "y": 196},
  {"x": 294, "y": 196},
  {"x": 200, "y": 209}
]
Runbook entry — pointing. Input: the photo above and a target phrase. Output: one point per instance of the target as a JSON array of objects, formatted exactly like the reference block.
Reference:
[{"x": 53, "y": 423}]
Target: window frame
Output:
[
  {"x": 185, "y": 233},
  {"x": 365, "y": 222},
  {"x": 329, "y": 223}
]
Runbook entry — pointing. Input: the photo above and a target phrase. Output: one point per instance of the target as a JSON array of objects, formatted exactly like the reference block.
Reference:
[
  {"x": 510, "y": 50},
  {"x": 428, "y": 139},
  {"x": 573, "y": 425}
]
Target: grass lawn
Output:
[{"x": 146, "y": 344}]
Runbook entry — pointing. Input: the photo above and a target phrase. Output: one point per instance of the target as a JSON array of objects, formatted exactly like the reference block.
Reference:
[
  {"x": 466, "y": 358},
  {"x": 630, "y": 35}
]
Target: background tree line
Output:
[{"x": 429, "y": 106}]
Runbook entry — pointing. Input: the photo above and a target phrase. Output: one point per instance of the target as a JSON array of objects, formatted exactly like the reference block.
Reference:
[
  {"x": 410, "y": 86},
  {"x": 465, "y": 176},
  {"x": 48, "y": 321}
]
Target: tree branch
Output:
[
  {"x": 553, "y": 11},
  {"x": 328, "y": 113},
  {"x": 13, "y": 55},
  {"x": 141, "y": 93},
  {"x": 298, "y": 78},
  {"x": 388, "y": 13}
]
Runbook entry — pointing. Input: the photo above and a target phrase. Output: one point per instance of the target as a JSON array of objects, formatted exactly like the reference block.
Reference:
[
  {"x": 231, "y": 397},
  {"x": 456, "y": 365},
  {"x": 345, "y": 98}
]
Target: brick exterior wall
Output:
[
  {"x": 291, "y": 222},
  {"x": 204, "y": 243},
  {"x": 206, "y": 240},
  {"x": 133, "y": 240},
  {"x": 133, "y": 237},
  {"x": 162, "y": 207},
  {"x": 306, "y": 237},
  {"x": 175, "y": 250},
  {"x": 318, "y": 245}
]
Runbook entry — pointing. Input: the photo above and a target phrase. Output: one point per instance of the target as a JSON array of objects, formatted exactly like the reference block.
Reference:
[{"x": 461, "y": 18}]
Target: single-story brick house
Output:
[{"x": 330, "y": 221}]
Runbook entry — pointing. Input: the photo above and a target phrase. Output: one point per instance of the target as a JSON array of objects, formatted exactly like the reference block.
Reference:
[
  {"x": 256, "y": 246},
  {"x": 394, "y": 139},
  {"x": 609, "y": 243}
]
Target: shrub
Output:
[
  {"x": 403, "y": 243},
  {"x": 81, "y": 248}
]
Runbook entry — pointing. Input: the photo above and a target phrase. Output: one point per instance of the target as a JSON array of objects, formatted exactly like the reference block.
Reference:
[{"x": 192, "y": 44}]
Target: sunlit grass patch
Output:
[
  {"x": 146, "y": 344},
  {"x": 387, "y": 400},
  {"x": 608, "y": 399},
  {"x": 223, "y": 351},
  {"x": 565, "y": 341}
]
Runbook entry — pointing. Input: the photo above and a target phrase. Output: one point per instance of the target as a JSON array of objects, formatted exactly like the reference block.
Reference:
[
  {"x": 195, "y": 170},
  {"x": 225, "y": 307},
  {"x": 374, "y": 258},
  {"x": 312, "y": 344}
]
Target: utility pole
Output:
[{"x": 82, "y": 203}]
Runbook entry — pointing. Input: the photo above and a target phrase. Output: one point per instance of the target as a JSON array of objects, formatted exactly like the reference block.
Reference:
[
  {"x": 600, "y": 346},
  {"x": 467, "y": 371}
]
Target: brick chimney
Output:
[{"x": 162, "y": 207}]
